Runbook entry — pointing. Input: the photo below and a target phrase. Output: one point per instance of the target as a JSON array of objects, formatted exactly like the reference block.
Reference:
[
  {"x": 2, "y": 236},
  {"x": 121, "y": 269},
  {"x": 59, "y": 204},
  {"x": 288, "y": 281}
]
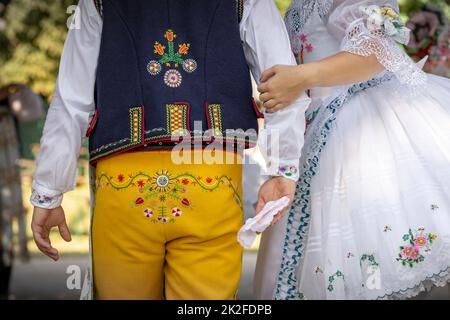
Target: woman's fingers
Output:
[
  {"x": 268, "y": 74},
  {"x": 263, "y": 88},
  {"x": 269, "y": 105},
  {"x": 278, "y": 107},
  {"x": 265, "y": 97}
]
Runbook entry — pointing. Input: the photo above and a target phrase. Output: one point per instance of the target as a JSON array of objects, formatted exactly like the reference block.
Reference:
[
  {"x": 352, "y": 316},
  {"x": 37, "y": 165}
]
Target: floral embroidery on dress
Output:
[
  {"x": 305, "y": 47},
  {"x": 370, "y": 258},
  {"x": 416, "y": 244},
  {"x": 387, "y": 228},
  {"x": 434, "y": 207},
  {"x": 333, "y": 278},
  {"x": 164, "y": 197},
  {"x": 318, "y": 270},
  {"x": 172, "y": 58}
]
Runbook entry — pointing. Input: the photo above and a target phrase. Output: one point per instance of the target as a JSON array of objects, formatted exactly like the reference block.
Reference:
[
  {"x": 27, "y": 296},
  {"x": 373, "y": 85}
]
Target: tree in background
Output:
[{"x": 32, "y": 39}]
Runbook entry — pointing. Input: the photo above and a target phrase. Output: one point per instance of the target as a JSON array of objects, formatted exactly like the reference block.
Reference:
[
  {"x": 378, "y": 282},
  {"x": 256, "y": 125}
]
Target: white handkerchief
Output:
[{"x": 260, "y": 222}]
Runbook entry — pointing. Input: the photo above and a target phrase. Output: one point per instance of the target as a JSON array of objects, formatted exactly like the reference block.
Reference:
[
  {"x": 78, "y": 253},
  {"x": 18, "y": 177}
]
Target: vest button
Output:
[{"x": 160, "y": 143}]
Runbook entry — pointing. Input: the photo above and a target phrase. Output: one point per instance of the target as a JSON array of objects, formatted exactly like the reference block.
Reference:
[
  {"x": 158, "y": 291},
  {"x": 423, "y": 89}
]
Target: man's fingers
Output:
[
  {"x": 41, "y": 237},
  {"x": 47, "y": 249},
  {"x": 64, "y": 231},
  {"x": 269, "y": 73}
]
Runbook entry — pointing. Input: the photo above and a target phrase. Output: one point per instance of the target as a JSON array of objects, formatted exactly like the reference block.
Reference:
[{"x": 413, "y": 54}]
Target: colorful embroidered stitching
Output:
[
  {"x": 215, "y": 118},
  {"x": 177, "y": 119},
  {"x": 416, "y": 244},
  {"x": 164, "y": 194},
  {"x": 172, "y": 59},
  {"x": 136, "y": 125},
  {"x": 332, "y": 279},
  {"x": 136, "y": 130}
]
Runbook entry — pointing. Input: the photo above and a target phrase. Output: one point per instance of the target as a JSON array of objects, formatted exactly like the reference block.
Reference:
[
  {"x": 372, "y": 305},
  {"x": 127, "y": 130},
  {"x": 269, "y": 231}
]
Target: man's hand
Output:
[
  {"x": 275, "y": 189},
  {"x": 43, "y": 221}
]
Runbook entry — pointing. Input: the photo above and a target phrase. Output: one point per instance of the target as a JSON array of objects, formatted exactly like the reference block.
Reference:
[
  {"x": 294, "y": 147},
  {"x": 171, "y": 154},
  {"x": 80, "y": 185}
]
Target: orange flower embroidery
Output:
[
  {"x": 169, "y": 35},
  {"x": 184, "y": 48},
  {"x": 159, "y": 48}
]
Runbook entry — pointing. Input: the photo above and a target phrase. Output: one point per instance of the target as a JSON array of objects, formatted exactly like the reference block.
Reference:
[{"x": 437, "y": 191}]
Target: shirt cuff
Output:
[
  {"x": 42, "y": 197},
  {"x": 288, "y": 171},
  {"x": 285, "y": 169}
]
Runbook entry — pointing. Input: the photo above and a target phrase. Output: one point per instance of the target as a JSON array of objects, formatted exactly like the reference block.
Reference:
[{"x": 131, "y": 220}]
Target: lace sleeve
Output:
[{"x": 366, "y": 28}]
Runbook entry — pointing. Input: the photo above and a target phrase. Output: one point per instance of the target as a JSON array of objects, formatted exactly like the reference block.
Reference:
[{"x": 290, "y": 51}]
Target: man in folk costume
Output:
[{"x": 144, "y": 78}]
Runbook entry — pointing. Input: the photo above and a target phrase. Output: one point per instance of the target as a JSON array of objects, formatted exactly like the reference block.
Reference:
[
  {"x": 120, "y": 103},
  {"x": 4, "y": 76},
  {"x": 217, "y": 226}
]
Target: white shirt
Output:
[{"x": 265, "y": 41}]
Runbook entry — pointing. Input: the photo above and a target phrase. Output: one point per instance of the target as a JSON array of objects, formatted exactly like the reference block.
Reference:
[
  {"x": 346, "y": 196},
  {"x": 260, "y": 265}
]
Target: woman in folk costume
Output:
[
  {"x": 371, "y": 215},
  {"x": 154, "y": 78}
]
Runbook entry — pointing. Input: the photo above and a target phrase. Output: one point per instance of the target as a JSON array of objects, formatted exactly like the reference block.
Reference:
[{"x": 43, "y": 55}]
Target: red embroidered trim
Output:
[{"x": 92, "y": 124}]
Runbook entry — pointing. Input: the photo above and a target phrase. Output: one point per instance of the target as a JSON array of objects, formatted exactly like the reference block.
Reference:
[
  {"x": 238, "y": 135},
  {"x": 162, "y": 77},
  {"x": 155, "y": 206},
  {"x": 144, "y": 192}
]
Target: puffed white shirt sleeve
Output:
[
  {"x": 70, "y": 110},
  {"x": 266, "y": 44}
]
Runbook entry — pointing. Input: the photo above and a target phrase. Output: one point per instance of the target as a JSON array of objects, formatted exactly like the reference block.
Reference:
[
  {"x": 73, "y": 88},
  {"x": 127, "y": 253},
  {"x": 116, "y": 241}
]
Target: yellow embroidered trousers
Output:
[{"x": 166, "y": 231}]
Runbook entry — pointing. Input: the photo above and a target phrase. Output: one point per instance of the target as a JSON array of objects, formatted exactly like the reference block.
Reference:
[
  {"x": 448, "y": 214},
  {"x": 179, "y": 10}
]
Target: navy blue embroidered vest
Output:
[{"x": 169, "y": 70}]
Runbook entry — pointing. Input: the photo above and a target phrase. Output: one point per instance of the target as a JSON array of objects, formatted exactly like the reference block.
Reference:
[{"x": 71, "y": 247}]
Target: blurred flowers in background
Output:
[{"x": 430, "y": 37}]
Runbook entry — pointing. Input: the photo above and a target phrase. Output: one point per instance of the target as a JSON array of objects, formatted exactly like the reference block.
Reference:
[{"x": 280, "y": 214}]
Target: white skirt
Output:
[{"x": 371, "y": 218}]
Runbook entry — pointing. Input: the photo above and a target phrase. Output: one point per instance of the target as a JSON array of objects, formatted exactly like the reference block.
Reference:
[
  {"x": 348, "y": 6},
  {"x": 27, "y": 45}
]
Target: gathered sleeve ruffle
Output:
[{"x": 369, "y": 27}]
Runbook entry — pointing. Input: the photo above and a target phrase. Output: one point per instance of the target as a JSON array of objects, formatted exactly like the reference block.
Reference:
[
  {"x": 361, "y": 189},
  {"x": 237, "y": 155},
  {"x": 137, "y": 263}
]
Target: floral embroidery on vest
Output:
[
  {"x": 172, "y": 58},
  {"x": 416, "y": 244},
  {"x": 163, "y": 197}
]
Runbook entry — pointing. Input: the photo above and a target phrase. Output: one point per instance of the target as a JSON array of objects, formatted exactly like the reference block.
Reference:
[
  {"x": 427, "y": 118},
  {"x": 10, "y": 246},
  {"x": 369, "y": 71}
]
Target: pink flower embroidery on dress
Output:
[
  {"x": 305, "y": 46},
  {"x": 416, "y": 244}
]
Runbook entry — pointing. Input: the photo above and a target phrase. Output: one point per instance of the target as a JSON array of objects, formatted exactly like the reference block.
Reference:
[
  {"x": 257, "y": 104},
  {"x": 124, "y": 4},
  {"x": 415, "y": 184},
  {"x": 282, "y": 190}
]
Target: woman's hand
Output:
[{"x": 282, "y": 85}]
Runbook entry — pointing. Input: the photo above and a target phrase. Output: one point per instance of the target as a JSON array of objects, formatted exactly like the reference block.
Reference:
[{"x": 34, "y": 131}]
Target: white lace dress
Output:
[{"x": 371, "y": 216}]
